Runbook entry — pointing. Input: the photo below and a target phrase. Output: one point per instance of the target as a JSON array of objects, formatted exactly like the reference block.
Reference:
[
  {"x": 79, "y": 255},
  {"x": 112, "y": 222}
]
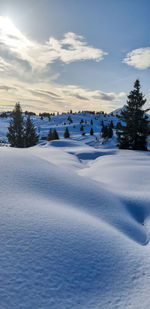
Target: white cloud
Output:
[
  {"x": 19, "y": 53},
  {"x": 55, "y": 97},
  {"x": 138, "y": 58},
  {"x": 71, "y": 48}
]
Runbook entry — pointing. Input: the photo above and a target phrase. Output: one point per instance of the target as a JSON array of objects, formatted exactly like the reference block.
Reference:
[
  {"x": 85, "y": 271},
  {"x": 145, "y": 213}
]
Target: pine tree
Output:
[
  {"x": 118, "y": 126},
  {"x": 111, "y": 124},
  {"x": 134, "y": 134},
  {"x": 110, "y": 131},
  {"x": 52, "y": 135},
  {"x": 104, "y": 131},
  {"x": 15, "y": 133},
  {"x": 30, "y": 136},
  {"x": 91, "y": 131},
  {"x": 66, "y": 133},
  {"x": 102, "y": 123},
  {"x": 56, "y": 136}
]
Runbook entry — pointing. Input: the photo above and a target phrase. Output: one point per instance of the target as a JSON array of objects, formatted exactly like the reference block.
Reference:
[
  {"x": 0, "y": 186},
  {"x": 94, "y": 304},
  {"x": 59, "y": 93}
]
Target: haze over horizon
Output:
[{"x": 79, "y": 55}]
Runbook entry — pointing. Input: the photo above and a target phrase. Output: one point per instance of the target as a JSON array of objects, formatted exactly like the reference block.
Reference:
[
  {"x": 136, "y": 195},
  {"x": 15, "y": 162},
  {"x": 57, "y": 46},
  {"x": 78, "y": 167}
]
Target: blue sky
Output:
[{"x": 66, "y": 54}]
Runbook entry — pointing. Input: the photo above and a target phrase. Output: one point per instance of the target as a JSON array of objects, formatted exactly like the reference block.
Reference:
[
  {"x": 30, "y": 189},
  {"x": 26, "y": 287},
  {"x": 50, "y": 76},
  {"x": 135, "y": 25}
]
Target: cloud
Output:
[
  {"x": 7, "y": 88},
  {"x": 80, "y": 97},
  {"x": 105, "y": 96},
  {"x": 16, "y": 47},
  {"x": 55, "y": 97},
  {"x": 138, "y": 58}
]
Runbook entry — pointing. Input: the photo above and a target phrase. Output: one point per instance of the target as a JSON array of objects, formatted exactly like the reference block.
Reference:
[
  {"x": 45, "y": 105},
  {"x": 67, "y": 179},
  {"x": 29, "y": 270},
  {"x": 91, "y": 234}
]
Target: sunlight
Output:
[
  {"x": 12, "y": 38},
  {"x": 7, "y": 27}
]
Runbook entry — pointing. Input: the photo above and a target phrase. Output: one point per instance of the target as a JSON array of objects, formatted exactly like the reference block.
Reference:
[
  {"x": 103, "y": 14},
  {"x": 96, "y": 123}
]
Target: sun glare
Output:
[{"x": 7, "y": 27}]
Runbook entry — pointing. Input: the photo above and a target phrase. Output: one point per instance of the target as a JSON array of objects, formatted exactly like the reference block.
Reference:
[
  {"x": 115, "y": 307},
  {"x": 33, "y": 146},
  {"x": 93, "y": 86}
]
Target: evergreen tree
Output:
[
  {"x": 102, "y": 123},
  {"x": 91, "y": 131},
  {"x": 81, "y": 128},
  {"x": 118, "y": 126},
  {"x": 91, "y": 122},
  {"x": 107, "y": 131},
  {"x": 70, "y": 119},
  {"x": 66, "y": 133},
  {"x": 30, "y": 136},
  {"x": 56, "y": 136},
  {"x": 104, "y": 131},
  {"x": 110, "y": 131},
  {"x": 52, "y": 135},
  {"x": 134, "y": 134},
  {"x": 15, "y": 133},
  {"x": 111, "y": 124}
]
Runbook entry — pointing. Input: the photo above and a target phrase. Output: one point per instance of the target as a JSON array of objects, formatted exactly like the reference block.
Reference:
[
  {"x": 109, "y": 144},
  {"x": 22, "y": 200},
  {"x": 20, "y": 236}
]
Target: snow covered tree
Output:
[
  {"x": 66, "y": 133},
  {"x": 30, "y": 136},
  {"x": 15, "y": 133},
  {"x": 133, "y": 135}
]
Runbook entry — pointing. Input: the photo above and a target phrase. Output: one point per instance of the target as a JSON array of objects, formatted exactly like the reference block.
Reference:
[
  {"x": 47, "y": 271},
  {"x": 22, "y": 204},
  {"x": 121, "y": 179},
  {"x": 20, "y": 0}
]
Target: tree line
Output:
[{"x": 132, "y": 130}]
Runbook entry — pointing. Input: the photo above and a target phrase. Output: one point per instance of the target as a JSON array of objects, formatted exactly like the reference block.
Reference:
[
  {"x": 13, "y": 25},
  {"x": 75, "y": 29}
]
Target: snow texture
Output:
[{"x": 74, "y": 226}]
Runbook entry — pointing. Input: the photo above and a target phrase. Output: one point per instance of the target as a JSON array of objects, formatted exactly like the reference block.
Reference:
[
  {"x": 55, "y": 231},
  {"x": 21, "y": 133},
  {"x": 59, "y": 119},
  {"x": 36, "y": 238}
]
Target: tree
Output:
[
  {"x": 104, "y": 131},
  {"x": 56, "y": 136},
  {"x": 111, "y": 124},
  {"x": 70, "y": 119},
  {"x": 91, "y": 131},
  {"x": 30, "y": 136},
  {"x": 52, "y": 135},
  {"x": 15, "y": 133},
  {"x": 66, "y": 133},
  {"x": 118, "y": 126},
  {"x": 110, "y": 131},
  {"x": 133, "y": 135},
  {"x": 102, "y": 123}
]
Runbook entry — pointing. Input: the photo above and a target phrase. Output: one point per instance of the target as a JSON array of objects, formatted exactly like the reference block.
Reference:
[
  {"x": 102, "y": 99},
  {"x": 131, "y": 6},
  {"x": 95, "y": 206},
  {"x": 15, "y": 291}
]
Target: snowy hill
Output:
[
  {"x": 60, "y": 122},
  {"x": 117, "y": 112},
  {"x": 74, "y": 221},
  {"x": 74, "y": 227}
]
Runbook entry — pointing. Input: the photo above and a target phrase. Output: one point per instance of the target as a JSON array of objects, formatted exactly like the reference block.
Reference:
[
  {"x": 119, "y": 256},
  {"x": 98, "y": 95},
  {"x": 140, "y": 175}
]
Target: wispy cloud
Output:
[
  {"x": 56, "y": 97},
  {"x": 16, "y": 47},
  {"x": 138, "y": 58}
]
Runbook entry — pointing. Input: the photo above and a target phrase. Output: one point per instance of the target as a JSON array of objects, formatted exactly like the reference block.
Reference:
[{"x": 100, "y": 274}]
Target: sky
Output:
[{"x": 73, "y": 54}]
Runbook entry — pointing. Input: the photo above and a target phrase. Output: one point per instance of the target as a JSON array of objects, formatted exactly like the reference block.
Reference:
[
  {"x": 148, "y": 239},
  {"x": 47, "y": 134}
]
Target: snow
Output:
[{"x": 75, "y": 225}]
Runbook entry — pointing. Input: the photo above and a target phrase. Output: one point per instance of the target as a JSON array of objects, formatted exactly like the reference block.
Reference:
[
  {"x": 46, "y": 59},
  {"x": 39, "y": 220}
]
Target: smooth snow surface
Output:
[{"x": 74, "y": 227}]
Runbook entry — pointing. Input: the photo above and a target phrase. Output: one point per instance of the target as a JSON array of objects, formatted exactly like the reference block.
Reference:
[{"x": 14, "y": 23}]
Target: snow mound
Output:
[{"x": 68, "y": 240}]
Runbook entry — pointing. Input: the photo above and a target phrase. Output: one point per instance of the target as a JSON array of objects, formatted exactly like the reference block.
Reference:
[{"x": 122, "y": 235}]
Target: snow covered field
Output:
[{"x": 75, "y": 226}]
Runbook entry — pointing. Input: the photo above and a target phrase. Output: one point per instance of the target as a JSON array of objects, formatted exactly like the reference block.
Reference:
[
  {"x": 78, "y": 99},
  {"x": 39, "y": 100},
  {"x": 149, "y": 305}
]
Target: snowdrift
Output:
[{"x": 74, "y": 231}]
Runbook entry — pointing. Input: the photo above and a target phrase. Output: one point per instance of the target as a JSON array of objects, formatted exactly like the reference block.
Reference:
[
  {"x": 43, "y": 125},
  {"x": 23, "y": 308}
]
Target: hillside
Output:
[
  {"x": 74, "y": 223},
  {"x": 60, "y": 122}
]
